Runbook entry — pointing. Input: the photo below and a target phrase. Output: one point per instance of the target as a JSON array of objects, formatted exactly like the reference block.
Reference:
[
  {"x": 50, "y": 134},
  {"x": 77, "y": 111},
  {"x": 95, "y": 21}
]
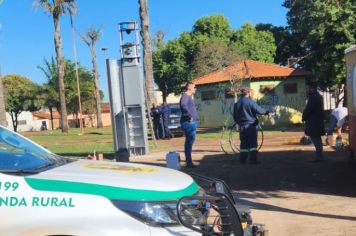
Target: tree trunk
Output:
[
  {"x": 99, "y": 120},
  {"x": 147, "y": 50},
  {"x": 164, "y": 94},
  {"x": 147, "y": 61},
  {"x": 3, "y": 120},
  {"x": 51, "y": 113},
  {"x": 14, "y": 116},
  {"x": 60, "y": 63}
]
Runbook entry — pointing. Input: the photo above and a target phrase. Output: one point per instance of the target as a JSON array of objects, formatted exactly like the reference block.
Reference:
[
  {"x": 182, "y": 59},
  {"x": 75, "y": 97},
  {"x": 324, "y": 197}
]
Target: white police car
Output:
[{"x": 42, "y": 193}]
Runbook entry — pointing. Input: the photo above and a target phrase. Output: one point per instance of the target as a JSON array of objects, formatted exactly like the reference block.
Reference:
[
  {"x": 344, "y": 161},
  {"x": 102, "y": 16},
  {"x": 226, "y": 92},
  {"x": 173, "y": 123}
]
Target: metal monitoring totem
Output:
[{"x": 126, "y": 91}]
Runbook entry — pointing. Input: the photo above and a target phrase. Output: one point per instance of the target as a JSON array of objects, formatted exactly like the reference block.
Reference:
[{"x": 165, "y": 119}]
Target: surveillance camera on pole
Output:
[{"x": 125, "y": 79}]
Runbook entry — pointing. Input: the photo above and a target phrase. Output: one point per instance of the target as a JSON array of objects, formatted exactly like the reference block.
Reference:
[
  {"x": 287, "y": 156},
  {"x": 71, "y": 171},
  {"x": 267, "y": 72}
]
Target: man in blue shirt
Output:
[
  {"x": 245, "y": 115},
  {"x": 189, "y": 121}
]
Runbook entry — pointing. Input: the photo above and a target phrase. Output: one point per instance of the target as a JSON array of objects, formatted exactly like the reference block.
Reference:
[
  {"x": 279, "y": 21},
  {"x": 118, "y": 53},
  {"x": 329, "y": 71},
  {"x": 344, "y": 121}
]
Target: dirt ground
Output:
[{"x": 286, "y": 192}]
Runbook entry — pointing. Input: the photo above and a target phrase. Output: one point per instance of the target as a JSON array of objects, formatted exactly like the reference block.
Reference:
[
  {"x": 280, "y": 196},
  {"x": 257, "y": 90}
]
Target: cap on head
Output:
[{"x": 244, "y": 91}]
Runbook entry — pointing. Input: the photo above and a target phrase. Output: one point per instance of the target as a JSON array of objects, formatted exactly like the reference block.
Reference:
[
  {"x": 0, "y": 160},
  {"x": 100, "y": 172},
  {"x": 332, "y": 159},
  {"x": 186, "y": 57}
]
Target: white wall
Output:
[{"x": 25, "y": 122}]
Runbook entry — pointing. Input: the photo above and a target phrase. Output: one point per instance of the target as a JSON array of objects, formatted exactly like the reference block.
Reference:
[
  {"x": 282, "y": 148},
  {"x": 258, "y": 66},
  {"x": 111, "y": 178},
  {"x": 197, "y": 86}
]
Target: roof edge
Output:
[{"x": 350, "y": 49}]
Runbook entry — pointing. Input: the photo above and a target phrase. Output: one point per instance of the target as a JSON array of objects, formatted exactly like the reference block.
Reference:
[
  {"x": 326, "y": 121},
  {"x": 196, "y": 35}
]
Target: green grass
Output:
[
  {"x": 77, "y": 144},
  {"x": 217, "y": 134}
]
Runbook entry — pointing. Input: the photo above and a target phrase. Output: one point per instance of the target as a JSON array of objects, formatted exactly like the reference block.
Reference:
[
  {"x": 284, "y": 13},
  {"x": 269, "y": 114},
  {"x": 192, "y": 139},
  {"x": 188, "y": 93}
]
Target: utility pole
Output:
[{"x": 77, "y": 75}]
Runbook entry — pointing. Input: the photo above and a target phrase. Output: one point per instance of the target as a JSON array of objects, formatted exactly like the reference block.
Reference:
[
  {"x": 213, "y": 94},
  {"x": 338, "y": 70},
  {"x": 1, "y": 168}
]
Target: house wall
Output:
[
  {"x": 288, "y": 106},
  {"x": 171, "y": 98},
  {"x": 350, "y": 56},
  {"x": 90, "y": 120},
  {"x": 25, "y": 122}
]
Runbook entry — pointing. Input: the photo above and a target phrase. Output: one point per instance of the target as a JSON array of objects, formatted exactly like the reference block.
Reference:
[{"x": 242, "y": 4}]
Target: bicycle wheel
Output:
[
  {"x": 224, "y": 140},
  {"x": 234, "y": 138}
]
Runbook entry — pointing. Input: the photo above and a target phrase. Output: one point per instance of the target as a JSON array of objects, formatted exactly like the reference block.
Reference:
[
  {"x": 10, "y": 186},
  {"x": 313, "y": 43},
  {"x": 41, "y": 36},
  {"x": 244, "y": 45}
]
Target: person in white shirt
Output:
[{"x": 337, "y": 119}]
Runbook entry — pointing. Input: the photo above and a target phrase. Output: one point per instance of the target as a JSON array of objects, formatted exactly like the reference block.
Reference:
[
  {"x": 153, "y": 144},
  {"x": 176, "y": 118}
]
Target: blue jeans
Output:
[
  {"x": 189, "y": 132},
  {"x": 331, "y": 125}
]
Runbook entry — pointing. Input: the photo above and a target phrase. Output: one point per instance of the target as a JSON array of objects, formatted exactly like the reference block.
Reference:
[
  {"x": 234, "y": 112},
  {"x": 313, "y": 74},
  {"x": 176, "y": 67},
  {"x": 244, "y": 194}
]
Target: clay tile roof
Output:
[
  {"x": 252, "y": 69},
  {"x": 105, "y": 107},
  {"x": 45, "y": 115}
]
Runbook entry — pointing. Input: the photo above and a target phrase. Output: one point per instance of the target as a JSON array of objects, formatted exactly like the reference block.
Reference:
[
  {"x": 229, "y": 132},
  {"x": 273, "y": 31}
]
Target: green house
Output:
[{"x": 275, "y": 86}]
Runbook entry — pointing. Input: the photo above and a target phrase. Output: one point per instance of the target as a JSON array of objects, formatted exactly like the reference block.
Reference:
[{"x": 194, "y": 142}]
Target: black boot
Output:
[
  {"x": 253, "y": 157},
  {"x": 243, "y": 157}
]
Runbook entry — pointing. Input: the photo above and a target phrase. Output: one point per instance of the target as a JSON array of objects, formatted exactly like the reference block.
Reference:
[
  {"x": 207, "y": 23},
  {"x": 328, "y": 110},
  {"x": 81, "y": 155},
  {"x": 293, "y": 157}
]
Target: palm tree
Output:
[
  {"x": 147, "y": 50},
  {"x": 91, "y": 37},
  {"x": 3, "y": 120},
  {"x": 56, "y": 8}
]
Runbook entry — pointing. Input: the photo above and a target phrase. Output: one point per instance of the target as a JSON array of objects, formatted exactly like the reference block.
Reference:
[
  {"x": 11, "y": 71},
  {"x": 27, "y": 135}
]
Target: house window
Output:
[
  {"x": 264, "y": 89},
  {"x": 290, "y": 88},
  {"x": 21, "y": 122},
  {"x": 208, "y": 95}
]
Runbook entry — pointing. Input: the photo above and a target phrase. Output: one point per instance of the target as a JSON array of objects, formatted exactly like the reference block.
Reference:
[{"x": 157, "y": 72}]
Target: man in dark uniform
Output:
[
  {"x": 245, "y": 115},
  {"x": 157, "y": 121},
  {"x": 165, "y": 111},
  {"x": 313, "y": 116}
]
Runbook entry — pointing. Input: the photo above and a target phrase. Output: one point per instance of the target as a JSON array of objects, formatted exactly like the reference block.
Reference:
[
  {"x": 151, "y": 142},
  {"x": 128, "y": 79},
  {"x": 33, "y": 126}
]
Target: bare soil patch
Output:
[{"x": 286, "y": 192}]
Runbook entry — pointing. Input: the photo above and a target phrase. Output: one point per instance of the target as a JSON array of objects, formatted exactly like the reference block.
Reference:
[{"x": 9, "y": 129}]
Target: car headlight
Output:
[{"x": 154, "y": 213}]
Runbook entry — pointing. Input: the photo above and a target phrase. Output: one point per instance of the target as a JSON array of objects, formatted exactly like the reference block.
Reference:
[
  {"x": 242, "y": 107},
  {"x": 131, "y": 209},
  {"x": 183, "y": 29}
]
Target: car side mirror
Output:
[{"x": 210, "y": 215}]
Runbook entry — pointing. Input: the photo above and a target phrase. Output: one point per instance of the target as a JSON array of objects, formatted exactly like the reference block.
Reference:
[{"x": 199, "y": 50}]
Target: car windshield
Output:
[{"x": 19, "y": 154}]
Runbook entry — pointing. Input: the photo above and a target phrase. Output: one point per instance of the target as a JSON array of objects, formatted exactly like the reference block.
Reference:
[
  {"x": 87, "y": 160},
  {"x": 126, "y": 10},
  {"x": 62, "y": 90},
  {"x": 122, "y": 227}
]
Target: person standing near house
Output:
[
  {"x": 157, "y": 121},
  {"x": 313, "y": 116},
  {"x": 189, "y": 121},
  {"x": 245, "y": 115},
  {"x": 337, "y": 119},
  {"x": 165, "y": 111}
]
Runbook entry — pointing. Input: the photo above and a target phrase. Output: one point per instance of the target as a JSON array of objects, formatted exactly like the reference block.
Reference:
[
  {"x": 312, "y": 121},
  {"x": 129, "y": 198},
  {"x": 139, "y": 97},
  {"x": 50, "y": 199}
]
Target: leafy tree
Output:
[
  {"x": 254, "y": 44},
  {"x": 174, "y": 62},
  {"x": 51, "y": 99},
  {"x": 50, "y": 89},
  {"x": 287, "y": 46},
  {"x": 21, "y": 94},
  {"x": 214, "y": 55},
  {"x": 324, "y": 29},
  {"x": 214, "y": 26},
  {"x": 170, "y": 68},
  {"x": 91, "y": 37},
  {"x": 56, "y": 8},
  {"x": 210, "y": 46}
]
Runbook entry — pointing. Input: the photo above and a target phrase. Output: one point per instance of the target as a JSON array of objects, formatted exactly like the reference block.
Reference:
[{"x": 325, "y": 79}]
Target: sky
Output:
[{"x": 26, "y": 32}]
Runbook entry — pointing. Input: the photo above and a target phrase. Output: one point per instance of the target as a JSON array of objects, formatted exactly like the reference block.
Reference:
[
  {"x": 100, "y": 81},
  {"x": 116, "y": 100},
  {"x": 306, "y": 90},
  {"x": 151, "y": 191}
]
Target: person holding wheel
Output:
[{"x": 245, "y": 115}]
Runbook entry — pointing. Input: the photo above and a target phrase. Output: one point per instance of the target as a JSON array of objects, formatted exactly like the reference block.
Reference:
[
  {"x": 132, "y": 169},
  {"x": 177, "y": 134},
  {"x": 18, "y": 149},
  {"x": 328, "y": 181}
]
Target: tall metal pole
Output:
[{"x": 77, "y": 74}]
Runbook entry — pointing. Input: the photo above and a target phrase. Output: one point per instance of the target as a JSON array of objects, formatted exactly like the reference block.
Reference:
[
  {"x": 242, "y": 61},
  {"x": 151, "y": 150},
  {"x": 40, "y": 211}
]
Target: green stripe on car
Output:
[{"x": 110, "y": 192}]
